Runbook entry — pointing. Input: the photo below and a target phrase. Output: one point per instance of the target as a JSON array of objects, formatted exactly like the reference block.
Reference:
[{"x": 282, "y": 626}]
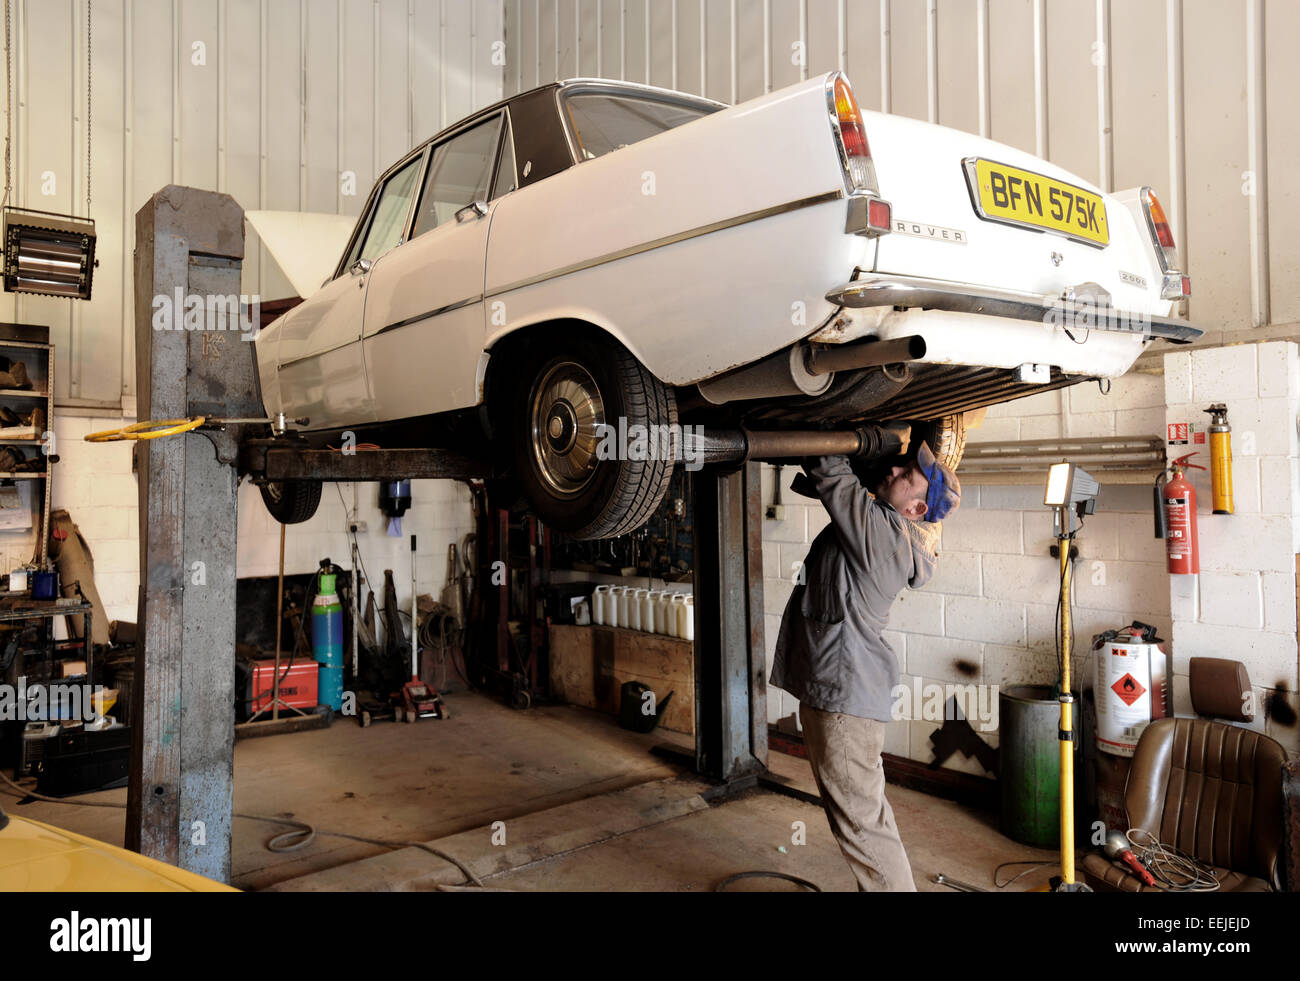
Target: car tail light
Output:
[
  {"x": 879, "y": 215},
  {"x": 851, "y": 134},
  {"x": 1175, "y": 286}
]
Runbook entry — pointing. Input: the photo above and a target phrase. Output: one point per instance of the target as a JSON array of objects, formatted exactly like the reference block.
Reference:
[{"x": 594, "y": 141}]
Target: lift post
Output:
[
  {"x": 189, "y": 247},
  {"x": 730, "y": 657}
]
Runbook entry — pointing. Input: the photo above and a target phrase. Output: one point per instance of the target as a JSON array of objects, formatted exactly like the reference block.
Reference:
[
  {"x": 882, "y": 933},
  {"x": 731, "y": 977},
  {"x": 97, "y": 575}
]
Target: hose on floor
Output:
[
  {"x": 808, "y": 885},
  {"x": 302, "y": 835}
]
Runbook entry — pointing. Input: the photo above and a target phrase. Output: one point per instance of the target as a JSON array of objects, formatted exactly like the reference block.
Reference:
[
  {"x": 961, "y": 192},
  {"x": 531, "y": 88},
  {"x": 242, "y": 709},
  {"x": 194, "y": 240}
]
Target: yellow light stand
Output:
[
  {"x": 1070, "y": 490},
  {"x": 1067, "y": 716}
]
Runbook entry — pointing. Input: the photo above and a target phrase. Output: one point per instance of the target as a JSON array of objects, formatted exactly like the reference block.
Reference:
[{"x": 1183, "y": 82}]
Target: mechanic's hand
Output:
[{"x": 802, "y": 485}]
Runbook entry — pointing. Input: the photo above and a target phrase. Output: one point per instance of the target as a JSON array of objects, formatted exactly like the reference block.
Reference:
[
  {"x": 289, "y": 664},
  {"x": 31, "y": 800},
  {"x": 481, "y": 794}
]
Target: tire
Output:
[
  {"x": 291, "y": 502},
  {"x": 947, "y": 438},
  {"x": 555, "y": 422}
]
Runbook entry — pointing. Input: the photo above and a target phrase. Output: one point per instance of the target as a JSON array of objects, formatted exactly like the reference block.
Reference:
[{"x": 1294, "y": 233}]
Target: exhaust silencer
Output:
[
  {"x": 783, "y": 373},
  {"x": 807, "y": 370}
]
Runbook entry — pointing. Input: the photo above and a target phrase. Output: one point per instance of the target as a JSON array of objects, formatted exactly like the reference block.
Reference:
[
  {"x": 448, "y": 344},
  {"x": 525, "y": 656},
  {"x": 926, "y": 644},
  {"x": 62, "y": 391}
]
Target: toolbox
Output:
[{"x": 79, "y": 760}]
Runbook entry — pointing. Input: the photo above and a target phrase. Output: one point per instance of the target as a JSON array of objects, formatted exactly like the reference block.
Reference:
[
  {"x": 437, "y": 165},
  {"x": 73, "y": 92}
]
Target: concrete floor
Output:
[{"x": 582, "y": 804}]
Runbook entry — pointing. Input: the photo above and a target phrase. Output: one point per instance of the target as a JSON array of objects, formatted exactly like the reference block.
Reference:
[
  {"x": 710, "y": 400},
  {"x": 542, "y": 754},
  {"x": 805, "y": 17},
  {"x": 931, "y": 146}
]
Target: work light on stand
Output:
[{"x": 1071, "y": 493}]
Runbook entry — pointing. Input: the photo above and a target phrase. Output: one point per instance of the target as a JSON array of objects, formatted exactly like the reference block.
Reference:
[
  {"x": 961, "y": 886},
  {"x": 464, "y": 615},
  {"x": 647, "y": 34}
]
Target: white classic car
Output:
[{"x": 593, "y": 253}]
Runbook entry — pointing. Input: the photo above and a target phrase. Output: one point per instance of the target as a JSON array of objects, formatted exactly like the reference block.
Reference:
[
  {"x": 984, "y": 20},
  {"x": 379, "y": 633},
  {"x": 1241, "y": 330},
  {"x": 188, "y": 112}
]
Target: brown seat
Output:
[{"x": 1210, "y": 790}]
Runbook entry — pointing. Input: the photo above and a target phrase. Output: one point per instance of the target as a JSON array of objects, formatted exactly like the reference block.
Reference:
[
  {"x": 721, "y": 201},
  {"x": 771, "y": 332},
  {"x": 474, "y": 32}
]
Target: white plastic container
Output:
[
  {"x": 600, "y": 605},
  {"x": 661, "y": 612},
  {"x": 647, "y": 601},
  {"x": 687, "y": 619},
  {"x": 634, "y": 610},
  {"x": 649, "y": 604},
  {"x": 681, "y": 612},
  {"x": 621, "y": 592}
]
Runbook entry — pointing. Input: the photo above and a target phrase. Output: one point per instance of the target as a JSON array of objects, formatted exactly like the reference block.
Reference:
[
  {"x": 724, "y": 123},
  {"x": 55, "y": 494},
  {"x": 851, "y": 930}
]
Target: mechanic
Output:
[{"x": 830, "y": 653}]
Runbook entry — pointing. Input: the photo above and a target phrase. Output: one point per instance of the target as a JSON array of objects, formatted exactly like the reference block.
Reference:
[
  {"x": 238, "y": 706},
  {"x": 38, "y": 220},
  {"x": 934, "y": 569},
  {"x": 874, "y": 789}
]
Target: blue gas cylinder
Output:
[{"x": 327, "y": 642}]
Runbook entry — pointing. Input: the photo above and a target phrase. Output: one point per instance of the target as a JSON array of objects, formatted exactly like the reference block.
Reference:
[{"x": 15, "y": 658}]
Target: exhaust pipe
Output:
[
  {"x": 740, "y": 445},
  {"x": 804, "y": 370},
  {"x": 867, "y": 354}
]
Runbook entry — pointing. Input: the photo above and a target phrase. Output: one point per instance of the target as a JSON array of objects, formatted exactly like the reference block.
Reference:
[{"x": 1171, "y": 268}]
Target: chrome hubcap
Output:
[{"x": 565, "y": 414}]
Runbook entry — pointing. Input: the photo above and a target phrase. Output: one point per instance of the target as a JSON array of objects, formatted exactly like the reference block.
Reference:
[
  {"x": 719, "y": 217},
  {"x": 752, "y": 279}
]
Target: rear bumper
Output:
[{"x": 884, "y": 290}]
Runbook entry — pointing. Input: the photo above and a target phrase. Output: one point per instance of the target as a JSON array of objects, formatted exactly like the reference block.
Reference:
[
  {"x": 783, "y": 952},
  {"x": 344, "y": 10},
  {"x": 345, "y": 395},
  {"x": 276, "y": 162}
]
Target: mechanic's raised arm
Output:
[{"x": 853, "y": 509}]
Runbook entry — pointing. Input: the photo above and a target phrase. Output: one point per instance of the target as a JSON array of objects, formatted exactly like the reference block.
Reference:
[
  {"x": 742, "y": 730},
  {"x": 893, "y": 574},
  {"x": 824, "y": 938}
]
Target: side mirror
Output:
[{"x": 472, "y": 211}]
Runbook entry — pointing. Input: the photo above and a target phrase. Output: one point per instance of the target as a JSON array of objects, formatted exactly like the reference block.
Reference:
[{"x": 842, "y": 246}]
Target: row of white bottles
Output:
[{"x": 654, "y": 611}]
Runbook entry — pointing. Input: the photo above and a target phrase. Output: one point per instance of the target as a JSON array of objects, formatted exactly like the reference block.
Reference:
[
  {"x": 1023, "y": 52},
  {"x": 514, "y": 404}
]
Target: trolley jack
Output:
[{"x": 418, "y": 699}]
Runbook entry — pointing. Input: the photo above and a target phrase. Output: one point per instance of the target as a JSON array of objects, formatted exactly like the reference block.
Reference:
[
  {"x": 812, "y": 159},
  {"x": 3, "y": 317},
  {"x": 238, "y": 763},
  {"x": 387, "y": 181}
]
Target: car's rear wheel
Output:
[
  {"x": 291, "y": 502},
  {"x": 946, "y": 436},
  {"x": 595, "y": 440}
]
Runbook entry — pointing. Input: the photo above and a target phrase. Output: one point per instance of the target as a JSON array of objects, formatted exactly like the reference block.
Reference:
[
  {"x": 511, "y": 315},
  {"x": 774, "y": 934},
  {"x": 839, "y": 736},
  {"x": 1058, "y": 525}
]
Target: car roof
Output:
[{"x": 652, "y": 91}]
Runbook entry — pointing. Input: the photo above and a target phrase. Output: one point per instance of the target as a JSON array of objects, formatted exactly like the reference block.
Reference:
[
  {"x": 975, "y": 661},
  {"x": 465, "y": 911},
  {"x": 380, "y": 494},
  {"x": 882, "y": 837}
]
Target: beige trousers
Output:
[{"x": 845, "y": 754}]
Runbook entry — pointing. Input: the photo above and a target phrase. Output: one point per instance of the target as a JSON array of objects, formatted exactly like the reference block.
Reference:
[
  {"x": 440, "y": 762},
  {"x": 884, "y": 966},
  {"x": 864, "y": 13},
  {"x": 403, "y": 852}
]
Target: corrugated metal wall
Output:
[
  {"x": 1194, "y": 97},
  {"x": 272, "y": 101}
]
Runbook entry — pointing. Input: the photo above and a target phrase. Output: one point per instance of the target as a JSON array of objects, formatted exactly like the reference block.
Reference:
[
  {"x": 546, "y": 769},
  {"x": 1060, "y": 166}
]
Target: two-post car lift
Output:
[{"x": 191, "y": 243}]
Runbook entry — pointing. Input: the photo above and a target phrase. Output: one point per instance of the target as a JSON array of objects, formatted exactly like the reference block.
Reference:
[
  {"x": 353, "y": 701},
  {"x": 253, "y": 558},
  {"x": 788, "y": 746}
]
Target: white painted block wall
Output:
[
  {"x": 1243, "y": 603},
  {"x": 992, "y": 603},
  {"x": 94, "y": 481}
]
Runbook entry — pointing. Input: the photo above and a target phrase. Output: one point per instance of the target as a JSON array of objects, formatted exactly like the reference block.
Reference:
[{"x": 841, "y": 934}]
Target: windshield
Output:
[{"x": 603, "y": 122}]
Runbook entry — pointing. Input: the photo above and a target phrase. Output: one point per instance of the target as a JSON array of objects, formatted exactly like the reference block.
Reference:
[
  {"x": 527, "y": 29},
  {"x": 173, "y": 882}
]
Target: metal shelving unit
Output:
[{"x": 30, "y": 343}]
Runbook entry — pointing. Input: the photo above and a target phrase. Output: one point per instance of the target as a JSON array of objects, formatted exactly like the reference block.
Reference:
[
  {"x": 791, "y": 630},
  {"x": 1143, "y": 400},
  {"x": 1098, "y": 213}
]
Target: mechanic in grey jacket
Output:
[{"x": 830, "y": 653}]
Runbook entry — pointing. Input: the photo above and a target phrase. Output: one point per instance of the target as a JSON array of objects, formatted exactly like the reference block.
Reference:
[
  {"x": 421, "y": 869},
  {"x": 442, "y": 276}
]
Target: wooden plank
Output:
[{"x": 589, "y": 666}]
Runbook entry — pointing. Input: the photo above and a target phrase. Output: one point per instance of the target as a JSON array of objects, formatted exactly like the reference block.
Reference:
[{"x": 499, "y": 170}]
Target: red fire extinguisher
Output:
[{"x": 1178, "y": 501}]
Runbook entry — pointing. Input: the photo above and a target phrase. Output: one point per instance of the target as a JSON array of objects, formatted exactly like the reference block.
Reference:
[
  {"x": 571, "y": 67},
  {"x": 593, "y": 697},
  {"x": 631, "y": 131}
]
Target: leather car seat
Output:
[{"x": 1209, "y": 789}]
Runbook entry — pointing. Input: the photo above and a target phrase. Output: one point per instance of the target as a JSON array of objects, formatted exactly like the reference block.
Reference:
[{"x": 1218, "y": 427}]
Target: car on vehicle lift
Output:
[{"x": 591, "y": 253}]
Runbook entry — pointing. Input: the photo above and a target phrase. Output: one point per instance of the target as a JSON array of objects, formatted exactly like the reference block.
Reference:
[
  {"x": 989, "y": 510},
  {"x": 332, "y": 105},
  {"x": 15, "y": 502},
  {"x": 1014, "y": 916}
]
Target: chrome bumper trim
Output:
[{"x": 933, "y": 294}]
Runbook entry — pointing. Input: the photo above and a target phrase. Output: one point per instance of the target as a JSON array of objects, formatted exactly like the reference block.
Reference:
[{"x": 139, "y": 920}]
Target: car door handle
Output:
[
  {"x": 360, "y": 267},
  {"x": 472, "y": 211}
]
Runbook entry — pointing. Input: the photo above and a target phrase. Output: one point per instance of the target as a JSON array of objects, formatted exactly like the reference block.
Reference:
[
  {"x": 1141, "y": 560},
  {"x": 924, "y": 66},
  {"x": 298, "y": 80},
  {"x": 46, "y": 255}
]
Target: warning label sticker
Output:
[
  {"x": 1179, "y": 433},
  {"x": 1128, "y": 688}
]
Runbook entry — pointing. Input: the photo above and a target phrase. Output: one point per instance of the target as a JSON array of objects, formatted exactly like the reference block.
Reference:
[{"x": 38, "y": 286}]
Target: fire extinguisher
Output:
[
  {"x": 1176, "y": 518},
  {"x": 1220, "y": 458}
]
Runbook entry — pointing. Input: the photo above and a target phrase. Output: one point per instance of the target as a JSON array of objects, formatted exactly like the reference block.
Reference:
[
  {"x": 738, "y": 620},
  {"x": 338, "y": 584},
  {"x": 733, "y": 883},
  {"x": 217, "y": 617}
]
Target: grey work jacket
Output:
[{"x": 829, "y": 652}]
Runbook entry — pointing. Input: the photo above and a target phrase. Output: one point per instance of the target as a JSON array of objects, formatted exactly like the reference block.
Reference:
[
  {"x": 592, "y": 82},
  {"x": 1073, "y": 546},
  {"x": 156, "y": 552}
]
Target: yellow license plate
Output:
[{"x": 1020, "y": 197}]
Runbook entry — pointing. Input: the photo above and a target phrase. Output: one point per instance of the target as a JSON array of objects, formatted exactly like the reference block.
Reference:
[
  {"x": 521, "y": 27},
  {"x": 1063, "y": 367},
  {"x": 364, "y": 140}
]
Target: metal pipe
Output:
[
  {"x": 1070, "y": 444},
  {"x": 356, "y": 606},
  {"x": 1145, "y": 453},
  {"x": 732, "y": 446},
  {"x": 846, "y": 357},
  {"x": 415, "y": 619}
]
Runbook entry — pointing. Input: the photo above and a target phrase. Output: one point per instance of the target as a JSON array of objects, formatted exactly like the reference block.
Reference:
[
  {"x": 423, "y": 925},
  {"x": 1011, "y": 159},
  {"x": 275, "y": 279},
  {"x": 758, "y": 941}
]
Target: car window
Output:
[
  {"x": 394, "y": 205},
  {"x": 541, "y": 140},
  {"x": 603, "y": 122},
  {"x": 507, "y": 178},
  {"x": 459, "y": 173}
]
